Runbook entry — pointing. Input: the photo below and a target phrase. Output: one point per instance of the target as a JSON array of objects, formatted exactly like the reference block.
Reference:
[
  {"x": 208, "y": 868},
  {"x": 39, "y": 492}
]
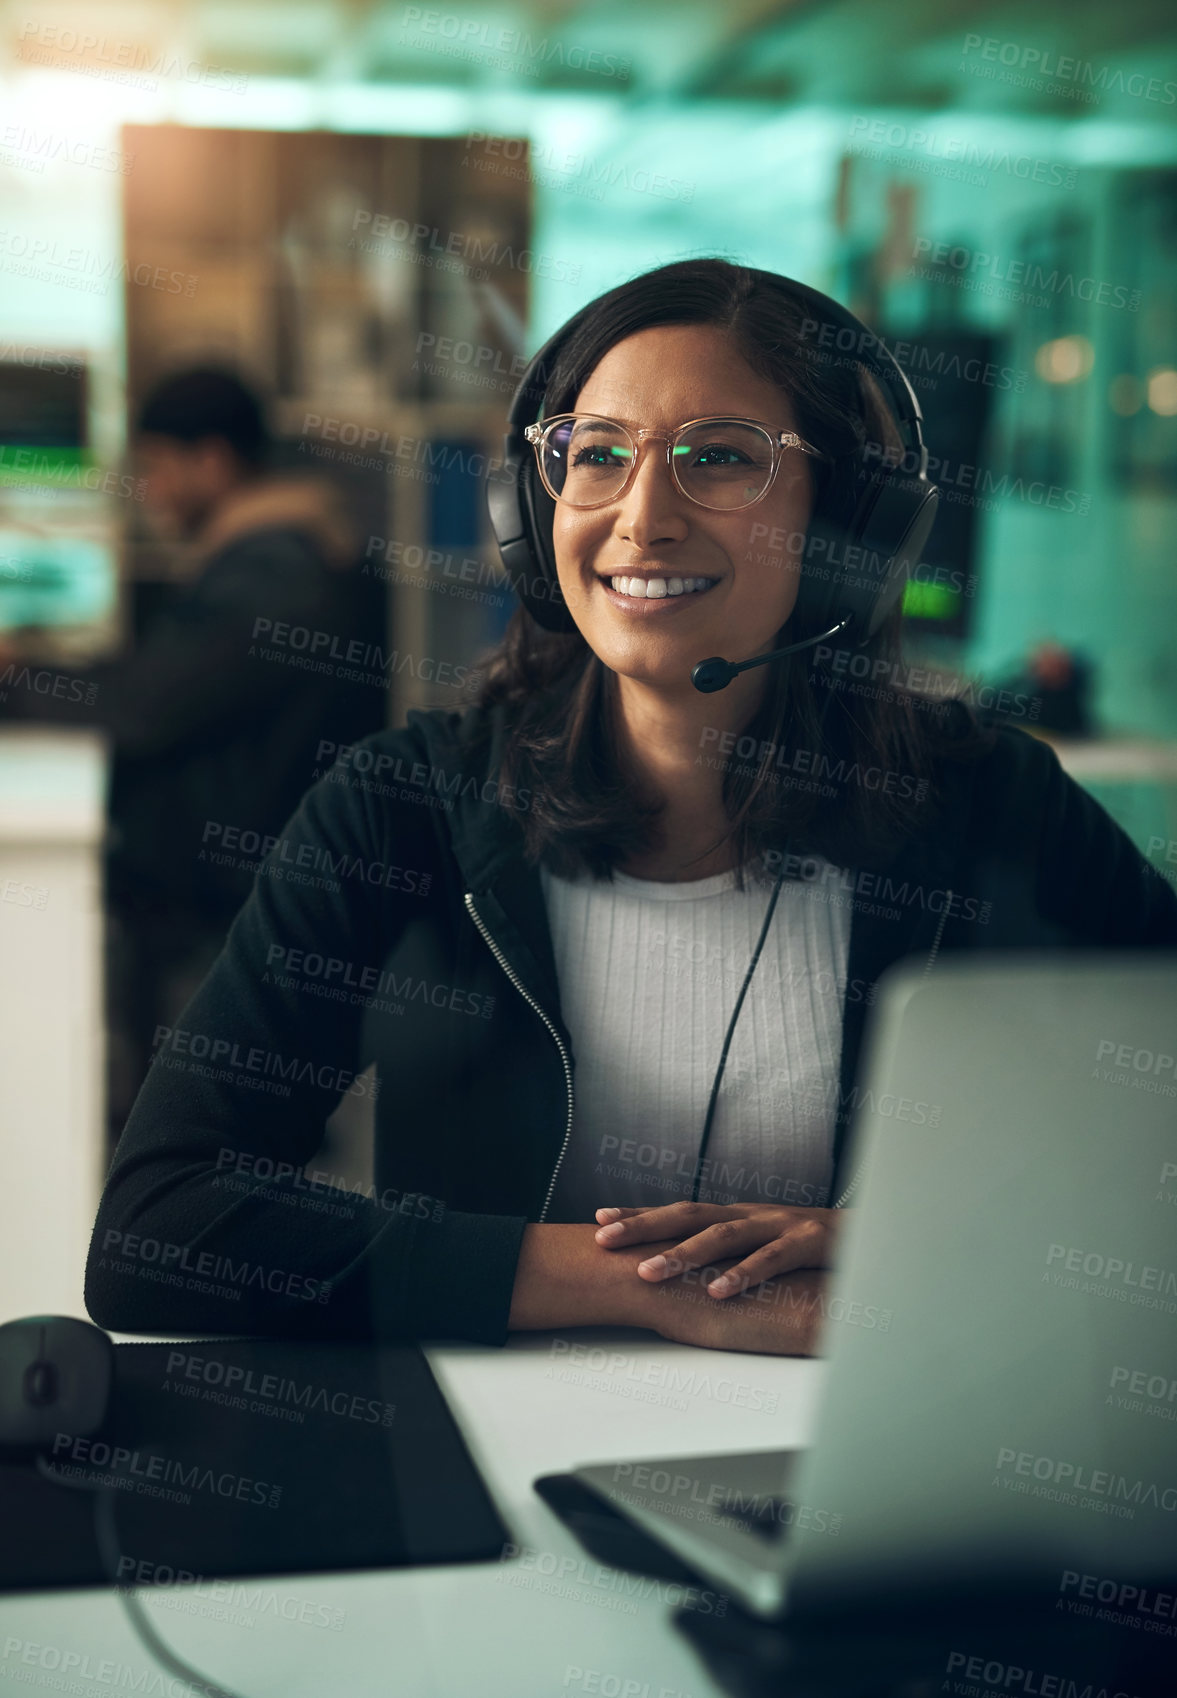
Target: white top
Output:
[{"x": 649, "y": 973}]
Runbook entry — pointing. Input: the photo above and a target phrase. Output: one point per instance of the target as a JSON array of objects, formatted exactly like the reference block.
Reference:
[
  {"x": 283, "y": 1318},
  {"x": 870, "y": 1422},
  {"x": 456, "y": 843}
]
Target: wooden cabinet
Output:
[{"x": 376, "y": 288}]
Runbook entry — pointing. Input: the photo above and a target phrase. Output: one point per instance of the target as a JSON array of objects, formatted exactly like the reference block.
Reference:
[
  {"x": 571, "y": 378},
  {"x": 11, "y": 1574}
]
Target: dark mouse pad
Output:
[
  {"x": 605, "y": 1534},
  {"x": 253, "y": 1456}
]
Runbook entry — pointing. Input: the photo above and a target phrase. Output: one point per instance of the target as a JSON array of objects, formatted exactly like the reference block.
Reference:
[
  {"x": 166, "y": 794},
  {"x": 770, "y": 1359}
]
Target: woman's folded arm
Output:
[{"x": 208, "y": 1221}]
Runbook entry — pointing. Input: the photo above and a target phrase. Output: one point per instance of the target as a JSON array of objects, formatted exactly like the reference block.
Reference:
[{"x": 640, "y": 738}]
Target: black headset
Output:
[{"x": 869, "y": 523}]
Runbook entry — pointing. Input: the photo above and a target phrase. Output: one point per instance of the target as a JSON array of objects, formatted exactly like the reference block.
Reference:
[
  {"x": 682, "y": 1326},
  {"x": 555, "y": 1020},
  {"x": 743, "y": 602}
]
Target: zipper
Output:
[
  {"x": 532, "y": 1003},
  {"x": 932, "y": 953},
  {"x": 849, "y": 1191}
]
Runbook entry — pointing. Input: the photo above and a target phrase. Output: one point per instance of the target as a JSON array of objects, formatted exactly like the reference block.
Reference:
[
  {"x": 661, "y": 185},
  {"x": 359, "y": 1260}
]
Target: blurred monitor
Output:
[
  {"x": 43, "y": 402},
  {"x": 59, "y": 579},
  {"x": 58, "y": 553}
]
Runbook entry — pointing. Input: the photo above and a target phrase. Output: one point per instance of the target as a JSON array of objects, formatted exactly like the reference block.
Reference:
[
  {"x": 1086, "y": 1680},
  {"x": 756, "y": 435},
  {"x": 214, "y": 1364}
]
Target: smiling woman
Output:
[
  {"x": 691, "y": 425},
  {"x": 629, "y": 878},
  {"x": 687, "y": 417}
]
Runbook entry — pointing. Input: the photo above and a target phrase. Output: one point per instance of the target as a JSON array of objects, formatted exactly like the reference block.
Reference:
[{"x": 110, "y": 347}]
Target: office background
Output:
[{"x": 376, "y": 211}]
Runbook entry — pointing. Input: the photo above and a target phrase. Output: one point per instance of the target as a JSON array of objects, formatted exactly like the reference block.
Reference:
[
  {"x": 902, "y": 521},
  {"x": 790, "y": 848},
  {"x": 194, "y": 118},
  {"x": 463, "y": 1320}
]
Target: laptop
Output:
[{"x": 1009, "y": 1415}]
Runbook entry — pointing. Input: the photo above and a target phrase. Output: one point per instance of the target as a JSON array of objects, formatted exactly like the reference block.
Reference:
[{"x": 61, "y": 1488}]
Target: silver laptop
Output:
[{"x": 1011, "y": 1413}]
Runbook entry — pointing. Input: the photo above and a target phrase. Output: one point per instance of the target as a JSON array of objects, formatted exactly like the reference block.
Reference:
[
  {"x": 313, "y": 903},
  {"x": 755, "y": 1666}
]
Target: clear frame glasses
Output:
[{"x": 721, "y": 463}]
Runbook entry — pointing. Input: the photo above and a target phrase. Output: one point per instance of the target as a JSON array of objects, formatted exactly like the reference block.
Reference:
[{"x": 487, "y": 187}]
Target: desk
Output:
[
  {"x": 476, "y": 1630},
  {"x": 1134, "y": 778},
  {"x": 52, "y": 1089}
]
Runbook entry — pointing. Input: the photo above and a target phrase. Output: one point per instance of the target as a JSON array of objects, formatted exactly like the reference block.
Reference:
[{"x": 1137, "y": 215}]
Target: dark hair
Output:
[
  {"x": 205, "y": 401},
  {"x": 560, "y": 699}
]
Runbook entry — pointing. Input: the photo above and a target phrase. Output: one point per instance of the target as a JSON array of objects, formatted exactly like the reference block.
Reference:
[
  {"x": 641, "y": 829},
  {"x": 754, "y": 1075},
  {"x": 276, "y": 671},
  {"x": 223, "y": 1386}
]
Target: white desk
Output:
[
  {"x": 1134, "y": 778},
  {"x": 1117, "y": 760},
  {"x": 52, "y": 1089},
  {"x": 476, "y": 1630}
]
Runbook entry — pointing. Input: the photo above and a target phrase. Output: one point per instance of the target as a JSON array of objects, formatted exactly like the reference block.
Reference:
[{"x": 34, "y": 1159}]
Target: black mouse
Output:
[{"x": 55, "y": 1377}]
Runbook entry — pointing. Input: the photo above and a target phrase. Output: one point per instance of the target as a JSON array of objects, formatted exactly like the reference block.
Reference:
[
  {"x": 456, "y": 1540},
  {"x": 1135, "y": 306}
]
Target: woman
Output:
[{"x": 575, "y": 874}]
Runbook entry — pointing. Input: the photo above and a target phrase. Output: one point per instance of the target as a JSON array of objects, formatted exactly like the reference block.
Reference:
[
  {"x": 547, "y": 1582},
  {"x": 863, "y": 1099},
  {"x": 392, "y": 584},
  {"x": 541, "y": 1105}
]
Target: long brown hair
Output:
[{"x": 802, "y": 765}]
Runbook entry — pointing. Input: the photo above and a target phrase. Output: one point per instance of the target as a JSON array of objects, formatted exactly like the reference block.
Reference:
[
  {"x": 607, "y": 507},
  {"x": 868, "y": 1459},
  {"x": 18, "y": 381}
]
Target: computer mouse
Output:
[{"x": 55, "y": 1377}]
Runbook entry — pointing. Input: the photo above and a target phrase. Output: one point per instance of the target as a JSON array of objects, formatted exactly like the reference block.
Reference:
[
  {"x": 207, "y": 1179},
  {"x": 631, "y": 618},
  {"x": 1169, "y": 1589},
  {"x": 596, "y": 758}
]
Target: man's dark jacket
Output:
[
  {"x": 214, "y": 724},
  {"x": 398, "y": 922}
]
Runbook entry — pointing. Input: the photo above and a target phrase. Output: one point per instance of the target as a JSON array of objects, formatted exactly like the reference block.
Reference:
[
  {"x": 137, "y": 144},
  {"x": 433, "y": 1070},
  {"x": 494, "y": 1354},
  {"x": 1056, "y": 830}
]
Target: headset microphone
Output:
[{"x": 716, "y": 674}]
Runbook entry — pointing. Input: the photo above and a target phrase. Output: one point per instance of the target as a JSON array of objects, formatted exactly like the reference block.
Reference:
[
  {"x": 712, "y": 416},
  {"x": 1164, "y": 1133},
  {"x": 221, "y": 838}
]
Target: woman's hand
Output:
[
  {"x": 563, "y": 1280},
  {"x": 762, "y": 1240},
  {"x": 781, "y": 1317}
]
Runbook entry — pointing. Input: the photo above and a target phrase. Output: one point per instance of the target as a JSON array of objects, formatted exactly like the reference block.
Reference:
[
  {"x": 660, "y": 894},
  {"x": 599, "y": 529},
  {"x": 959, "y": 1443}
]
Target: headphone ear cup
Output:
[
  {"x": 823, "y": 555},
  {"x": 857, "y": 568},
  {"x": 542, "y": 596},
  {"x": 522, "y": 536},
  {"x": 898, "y": 515}
]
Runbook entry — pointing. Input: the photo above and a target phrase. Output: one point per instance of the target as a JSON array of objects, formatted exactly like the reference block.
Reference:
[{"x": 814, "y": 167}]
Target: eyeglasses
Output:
[{"x": 721, "y": 463}]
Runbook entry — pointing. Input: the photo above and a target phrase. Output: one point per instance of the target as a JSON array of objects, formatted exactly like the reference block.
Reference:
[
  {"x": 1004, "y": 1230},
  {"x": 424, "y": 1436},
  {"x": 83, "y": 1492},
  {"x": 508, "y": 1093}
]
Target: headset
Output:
[{"x": 869, "y": 523}]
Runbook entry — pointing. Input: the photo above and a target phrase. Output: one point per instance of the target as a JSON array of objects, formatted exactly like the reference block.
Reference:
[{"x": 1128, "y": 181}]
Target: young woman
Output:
[{"x": 536, "y": 915}]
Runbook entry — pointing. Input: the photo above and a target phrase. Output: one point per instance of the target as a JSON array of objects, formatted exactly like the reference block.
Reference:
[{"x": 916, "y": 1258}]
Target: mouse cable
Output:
[{"x": 109, "y": 1551}]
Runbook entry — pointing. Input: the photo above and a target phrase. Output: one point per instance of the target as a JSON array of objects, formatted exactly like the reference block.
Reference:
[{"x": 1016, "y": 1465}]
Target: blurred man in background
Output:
[{"x": 214, "y": 720}]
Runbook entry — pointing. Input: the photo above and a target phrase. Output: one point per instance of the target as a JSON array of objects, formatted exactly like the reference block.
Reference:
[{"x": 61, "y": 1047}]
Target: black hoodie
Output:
[{"x": 397, "y": 922}]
